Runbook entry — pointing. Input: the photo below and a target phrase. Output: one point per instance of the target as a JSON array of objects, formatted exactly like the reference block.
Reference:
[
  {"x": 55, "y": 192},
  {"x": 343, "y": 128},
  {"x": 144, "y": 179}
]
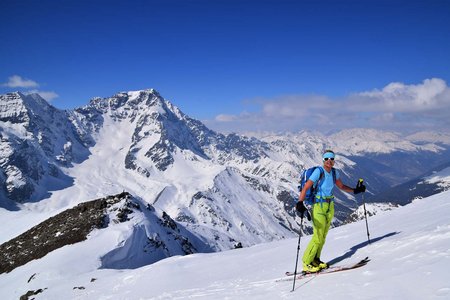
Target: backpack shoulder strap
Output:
[
  {"x": 322, "y": 173},
  {"x": 333, "y": 171}
]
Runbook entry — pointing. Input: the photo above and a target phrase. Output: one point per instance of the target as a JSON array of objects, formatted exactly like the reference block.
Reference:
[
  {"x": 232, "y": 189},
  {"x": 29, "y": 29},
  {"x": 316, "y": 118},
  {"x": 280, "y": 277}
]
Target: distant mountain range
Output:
[
  {"x": 225, "y": 189},
  {"x": 430, "y": 183}
]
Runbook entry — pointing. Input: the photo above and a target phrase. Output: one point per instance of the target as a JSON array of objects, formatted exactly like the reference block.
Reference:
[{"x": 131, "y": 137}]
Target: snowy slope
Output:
[
  {"x": 441, "y": 178},
  {"x": 410, "y": 259}
]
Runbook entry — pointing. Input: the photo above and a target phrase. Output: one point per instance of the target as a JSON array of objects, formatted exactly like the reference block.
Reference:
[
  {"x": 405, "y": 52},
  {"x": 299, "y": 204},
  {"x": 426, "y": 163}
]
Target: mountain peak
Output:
[
  {"x": 20, "y": 108},
  {"x": 131, "y": 100},
  {"x": 135, "y": 94}
]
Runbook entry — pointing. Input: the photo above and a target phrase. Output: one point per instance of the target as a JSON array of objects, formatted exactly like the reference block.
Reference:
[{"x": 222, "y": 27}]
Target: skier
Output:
[{"x": 322, "y": 209}]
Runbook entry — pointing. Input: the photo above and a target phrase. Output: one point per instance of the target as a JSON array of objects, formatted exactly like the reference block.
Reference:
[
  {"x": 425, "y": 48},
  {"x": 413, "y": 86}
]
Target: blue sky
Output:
[{"x": 240, "y": 65}]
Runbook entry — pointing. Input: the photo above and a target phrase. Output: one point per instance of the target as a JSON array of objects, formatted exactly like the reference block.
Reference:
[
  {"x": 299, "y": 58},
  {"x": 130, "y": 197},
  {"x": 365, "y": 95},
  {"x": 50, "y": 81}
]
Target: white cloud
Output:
[
  {"x": 398, "y": 97},
  {"x": 397, "y": 106},
  {"x": 225, "y": 118},
  {"x": 296, "y": 106},
  {"x": 17, "y": 81}
]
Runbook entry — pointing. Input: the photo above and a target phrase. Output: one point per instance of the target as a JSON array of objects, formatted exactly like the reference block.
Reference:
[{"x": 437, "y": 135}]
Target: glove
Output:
[
  {"x": 360, "y": 187},
  {"x": 300, "y": 207}
]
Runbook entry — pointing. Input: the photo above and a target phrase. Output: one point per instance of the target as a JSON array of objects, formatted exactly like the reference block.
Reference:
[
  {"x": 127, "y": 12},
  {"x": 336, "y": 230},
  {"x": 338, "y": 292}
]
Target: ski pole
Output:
[
  {"x": 298, "y": 250},
  {"x": 365, "y": 212}
]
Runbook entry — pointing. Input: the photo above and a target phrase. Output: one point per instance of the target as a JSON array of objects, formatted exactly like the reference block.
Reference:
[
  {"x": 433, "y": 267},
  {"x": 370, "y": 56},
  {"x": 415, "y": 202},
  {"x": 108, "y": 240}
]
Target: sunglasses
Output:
[{"x": 327, "y": 158}]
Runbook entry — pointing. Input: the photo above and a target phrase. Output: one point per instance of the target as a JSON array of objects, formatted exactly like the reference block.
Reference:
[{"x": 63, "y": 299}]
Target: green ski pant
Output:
[{"x": 322, "y": 215}]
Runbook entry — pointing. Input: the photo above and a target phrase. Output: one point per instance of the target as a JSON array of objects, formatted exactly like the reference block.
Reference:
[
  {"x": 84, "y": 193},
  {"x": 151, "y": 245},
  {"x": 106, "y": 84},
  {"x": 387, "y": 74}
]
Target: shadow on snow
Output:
[{"x": 353, "y": 249}]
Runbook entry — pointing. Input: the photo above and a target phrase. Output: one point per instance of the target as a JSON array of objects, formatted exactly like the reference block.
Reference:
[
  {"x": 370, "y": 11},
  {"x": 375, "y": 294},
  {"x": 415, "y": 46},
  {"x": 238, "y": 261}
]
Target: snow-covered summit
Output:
[{"x": 161, "y": 130}]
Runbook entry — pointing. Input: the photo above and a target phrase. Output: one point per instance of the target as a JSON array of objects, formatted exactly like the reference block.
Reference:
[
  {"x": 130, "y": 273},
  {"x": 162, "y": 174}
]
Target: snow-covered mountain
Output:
[
  {"x": 408, "y": 251},
  {"x": 141, "y": 143},
  {"x": 226, "y": 189},
  {"x": 175, "y": 163}
]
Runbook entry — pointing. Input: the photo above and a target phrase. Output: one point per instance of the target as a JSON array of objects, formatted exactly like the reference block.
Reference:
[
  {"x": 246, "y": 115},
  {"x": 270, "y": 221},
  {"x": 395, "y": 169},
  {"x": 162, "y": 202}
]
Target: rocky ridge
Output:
[{"x": 74, "y": 225}]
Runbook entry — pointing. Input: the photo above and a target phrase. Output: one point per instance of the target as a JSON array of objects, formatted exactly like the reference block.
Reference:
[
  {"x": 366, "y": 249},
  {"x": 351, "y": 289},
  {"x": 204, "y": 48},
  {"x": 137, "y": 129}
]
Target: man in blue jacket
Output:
[{"x": 322, "y": 209}]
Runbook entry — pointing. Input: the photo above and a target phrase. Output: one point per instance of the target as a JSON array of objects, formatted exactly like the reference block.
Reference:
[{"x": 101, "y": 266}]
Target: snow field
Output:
[{"x": 410, "y": 259}]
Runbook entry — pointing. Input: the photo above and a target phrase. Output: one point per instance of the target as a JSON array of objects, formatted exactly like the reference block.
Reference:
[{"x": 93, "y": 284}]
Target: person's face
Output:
[{"x": 328, "y": 162}]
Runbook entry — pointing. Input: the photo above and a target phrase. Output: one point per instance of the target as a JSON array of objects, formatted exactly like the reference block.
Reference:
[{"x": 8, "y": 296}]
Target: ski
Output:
[{"x": 331, "y": 269}]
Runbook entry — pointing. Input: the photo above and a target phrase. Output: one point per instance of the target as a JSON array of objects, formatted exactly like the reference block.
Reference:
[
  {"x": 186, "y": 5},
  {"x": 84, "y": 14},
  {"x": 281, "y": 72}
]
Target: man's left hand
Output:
[{"x": 360, "y": 187}]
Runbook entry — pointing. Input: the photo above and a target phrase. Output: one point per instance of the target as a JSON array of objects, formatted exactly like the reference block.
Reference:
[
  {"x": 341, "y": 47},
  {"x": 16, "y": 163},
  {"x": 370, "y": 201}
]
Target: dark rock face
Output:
[{"x": 29, "y": 294}]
